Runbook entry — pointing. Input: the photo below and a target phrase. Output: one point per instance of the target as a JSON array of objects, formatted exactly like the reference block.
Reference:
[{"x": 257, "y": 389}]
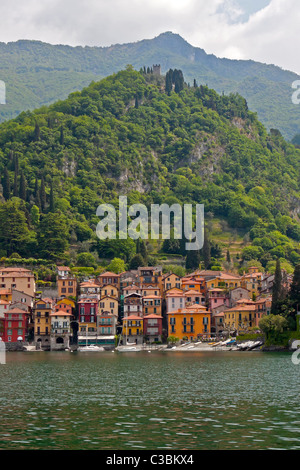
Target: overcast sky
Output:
[{"x": 262, "y": 30}]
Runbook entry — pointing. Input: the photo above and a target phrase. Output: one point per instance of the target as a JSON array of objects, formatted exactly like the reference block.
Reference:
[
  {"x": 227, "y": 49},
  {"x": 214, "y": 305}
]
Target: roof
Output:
[
  {"x": 152, "y": 297},
  {"x": 4, "y": 302},
  {"x": 191, "y": 292},
  {"x": 15, "y": 270},
  {"x": 132, "y": 317},
  {"x": 89, "y": 284},
  {"x": 152, "y": 315},
  {"x": 61, "y": 313},
  {"x": 109, "y": 273},
  {"x": 245, "y": 308},
  {"x": 15, "y": 310},
  {"x": 63, "y": 268}
]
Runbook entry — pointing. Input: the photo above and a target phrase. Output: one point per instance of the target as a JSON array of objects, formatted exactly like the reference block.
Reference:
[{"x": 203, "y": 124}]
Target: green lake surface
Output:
[{"x": 158, "y": 400}]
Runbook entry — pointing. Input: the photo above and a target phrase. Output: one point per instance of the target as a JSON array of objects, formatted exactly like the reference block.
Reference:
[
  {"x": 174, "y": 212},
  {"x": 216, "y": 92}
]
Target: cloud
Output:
[{"x": 227, "y": 28}]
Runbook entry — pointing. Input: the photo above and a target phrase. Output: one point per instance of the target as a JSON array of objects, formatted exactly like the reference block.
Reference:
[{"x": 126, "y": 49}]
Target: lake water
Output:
[{"x": 158, "y": 400}]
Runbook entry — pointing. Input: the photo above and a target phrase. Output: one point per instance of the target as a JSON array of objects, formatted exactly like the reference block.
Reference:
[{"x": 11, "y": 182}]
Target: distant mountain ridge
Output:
[{"x": 38, "y": 74}]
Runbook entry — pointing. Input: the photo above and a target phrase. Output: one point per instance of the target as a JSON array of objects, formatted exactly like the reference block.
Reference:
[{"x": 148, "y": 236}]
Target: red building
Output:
[
  {"x": 15, "y": 325},
  {"x": 153, "y": 327}
]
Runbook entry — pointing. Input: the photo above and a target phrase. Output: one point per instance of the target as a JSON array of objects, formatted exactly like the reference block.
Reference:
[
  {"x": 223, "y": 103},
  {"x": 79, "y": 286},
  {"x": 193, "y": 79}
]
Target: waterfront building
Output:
[
  {"x": 133, "y": 329},
  {"x": 153, "y": 328},
  {"x": 60, "y": 330},
  {"x": 14, "y": 325},
  {"x": 190, "y": 323},
  {"x": 174, "y": 299},
  {"x": 133, "y": 304},
  {"x": 152, "y": 304},
  {"x": 42, "y": 322}
]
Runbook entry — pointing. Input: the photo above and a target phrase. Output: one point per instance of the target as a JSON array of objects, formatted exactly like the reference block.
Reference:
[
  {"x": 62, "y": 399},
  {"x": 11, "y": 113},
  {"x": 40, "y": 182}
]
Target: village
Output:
[{"x": 142, "y": 306}]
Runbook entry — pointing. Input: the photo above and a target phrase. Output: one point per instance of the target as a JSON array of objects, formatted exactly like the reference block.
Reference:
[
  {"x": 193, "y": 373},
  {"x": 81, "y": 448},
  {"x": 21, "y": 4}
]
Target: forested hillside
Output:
[
  {"x": 128, "y": 135},
  {"x": 37, "y": 73}
]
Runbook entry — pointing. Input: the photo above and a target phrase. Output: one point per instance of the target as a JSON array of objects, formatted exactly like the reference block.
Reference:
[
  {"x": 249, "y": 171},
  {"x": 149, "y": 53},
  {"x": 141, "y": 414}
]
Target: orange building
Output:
[
  {"x": 17, "y": 278},
  {"x": 192, "y": 323},
  {"x": 152, "y": 304}
]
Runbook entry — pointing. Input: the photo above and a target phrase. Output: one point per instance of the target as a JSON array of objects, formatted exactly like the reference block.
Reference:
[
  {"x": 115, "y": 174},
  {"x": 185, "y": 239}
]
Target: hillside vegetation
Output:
[
  {"x": 126, "y": 135},
  {"x": 38, "y": 74}
]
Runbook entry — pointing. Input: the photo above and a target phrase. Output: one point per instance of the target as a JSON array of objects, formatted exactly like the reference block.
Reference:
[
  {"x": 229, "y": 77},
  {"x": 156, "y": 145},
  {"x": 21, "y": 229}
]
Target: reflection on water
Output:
[{"x": 175, "y": 401}]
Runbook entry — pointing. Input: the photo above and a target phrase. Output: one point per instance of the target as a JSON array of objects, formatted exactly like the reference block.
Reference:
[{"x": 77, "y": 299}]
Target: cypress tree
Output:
[
  {"x": 37, "y": 194},
  {"x": 277, "y": 292},
  {"x": 192, "y": 260},
  {"x": 6, "y": 185},
  {"x": 37, "y": 132},
  {"x": 62, "y": 136},
  {"x": 43, "y": 195},
  {"x": 206, "y": 250},
  {"x": 51, "y": 203},
  {"x": 295, "y": 289},
  {"x": 16, "y": 189},
  {"x": 22, "y": 190}
]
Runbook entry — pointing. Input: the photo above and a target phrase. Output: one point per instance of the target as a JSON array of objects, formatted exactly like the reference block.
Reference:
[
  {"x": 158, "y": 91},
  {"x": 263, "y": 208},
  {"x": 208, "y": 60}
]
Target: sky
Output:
[{"x": 262, "y": 30}]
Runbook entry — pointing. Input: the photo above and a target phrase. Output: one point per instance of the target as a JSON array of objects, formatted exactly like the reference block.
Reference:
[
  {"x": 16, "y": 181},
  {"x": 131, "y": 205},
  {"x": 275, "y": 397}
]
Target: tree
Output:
[
  {"x": 35, "y": 215},
  {"x": 22, "y": 189},
  {"x": 37, "y": 132},
  {"x": 53, "y": 236},
  {"x": 36, "y": 194},
  {"x": 169, "y": 81},
  {"x": 206, "y": 250},
  {"x": 6, "y": 184},
  {"x": 117, "y": 266},
  {"x": 86, "y": 260},
  {"x": 192, "y": 260},
  {"x": 136, "y": 261},
  {"x": 14, "y": 231},
  {"x": 61, "y": 136},
  {"x": 43, "y": 197},
  {"x": 294, "y": 293},
  {"x": 273, "y": 326},
  {"x": 277, "y": 290},
  {"x": 51, "y": 202}
]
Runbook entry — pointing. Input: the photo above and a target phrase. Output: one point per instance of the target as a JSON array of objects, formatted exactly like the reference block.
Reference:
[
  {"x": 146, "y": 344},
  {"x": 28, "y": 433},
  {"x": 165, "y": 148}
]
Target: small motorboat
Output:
[{"x": 90, "y": 348}]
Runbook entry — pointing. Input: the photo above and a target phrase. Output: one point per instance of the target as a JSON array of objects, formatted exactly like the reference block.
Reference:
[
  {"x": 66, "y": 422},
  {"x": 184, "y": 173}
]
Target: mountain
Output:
[
  {"x": 38, "y": 74},
  {"x": 127, "y": 135}
]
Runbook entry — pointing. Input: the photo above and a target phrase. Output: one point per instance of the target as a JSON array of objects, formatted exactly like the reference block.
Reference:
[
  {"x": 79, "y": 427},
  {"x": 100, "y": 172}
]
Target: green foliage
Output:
[{"x": 185, "y": 146}]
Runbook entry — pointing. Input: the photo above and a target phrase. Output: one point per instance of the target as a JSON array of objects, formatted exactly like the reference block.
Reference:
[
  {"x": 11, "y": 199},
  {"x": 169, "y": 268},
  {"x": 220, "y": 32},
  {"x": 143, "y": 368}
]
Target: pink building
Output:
[
  {"x": 175, "y": 300},
  {"x": 217, "y": 297}
]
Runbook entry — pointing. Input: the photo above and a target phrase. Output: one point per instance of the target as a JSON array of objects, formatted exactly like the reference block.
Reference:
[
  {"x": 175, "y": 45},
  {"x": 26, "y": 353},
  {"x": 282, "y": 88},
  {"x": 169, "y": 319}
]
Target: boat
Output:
[
  {"x": 128, "y": 348},
  {"x": 90, "y": 348}
]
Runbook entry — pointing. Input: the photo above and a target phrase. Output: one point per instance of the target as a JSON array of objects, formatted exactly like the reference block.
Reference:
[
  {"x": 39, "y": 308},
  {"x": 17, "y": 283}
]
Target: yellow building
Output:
[
  {"x": 42, "y": 322},
  {"x": 152, "y": 304},
  {"x": 253, "y": 281},
  {"x": 224, "y": 280},
  {"x": 171, "y": 281},
  {"x": 6, "y": 294},
  {"x": 67, "y": 286},
  {"x": 17, "y": 278},
  {"x": 150, "y": 276},
  {"x": 111, "y": 290},
  {"x": 190, "y": 323},
  {"x": 109, "y": 304},
  {"x": 241, "y": 317},
  {"x": 133, "y": 329}
]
